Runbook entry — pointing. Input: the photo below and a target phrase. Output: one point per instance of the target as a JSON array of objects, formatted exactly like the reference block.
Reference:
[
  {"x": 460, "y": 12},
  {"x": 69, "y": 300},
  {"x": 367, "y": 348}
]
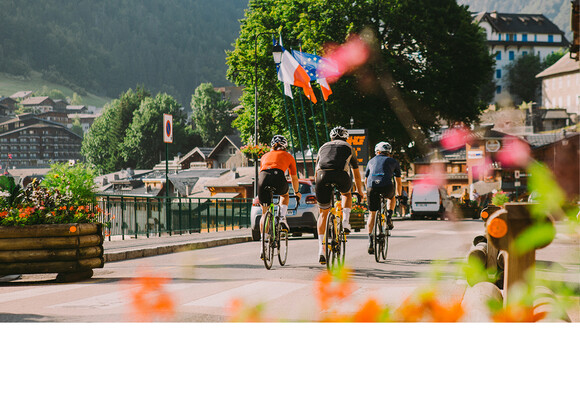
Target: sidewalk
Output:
[{"x": 117, "y": 249}]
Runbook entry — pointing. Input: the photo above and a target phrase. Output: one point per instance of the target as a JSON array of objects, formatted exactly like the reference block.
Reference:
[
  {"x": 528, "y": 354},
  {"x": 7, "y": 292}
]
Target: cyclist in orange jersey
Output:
[{"x": 273, "y": 167}]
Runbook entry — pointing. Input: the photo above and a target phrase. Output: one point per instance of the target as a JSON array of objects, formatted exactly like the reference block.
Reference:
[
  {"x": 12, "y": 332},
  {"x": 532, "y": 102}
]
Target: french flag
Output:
[
  {"x": 316, "y": 67},
  {"x": 290, "y": 72}
]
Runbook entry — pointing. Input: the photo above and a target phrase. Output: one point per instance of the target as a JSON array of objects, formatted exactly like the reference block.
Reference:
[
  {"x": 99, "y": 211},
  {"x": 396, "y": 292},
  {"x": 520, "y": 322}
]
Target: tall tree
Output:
[
  {"x": 103, "y": 144},
  {"x": 144, "y": 143},
  {"x": 521, "y": 78},
  {"x": 211, "y": 115},
  {"x": 429, "y": 61}
]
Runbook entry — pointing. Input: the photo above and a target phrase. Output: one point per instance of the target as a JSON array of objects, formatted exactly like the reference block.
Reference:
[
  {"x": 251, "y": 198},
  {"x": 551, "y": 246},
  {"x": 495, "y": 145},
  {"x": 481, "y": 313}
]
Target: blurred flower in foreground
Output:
[
  {"x": 435, "y": 176},
  {"x": 344, "y": 58},
  {"x": 456, "y": 137},
  {"x": 237, "y": 311},
  {"x": 514, "y": 152},
  {"x": 150, "y": 299},
  {"x": 332, "y": 286},
  {"x": 425, "y": 307}
]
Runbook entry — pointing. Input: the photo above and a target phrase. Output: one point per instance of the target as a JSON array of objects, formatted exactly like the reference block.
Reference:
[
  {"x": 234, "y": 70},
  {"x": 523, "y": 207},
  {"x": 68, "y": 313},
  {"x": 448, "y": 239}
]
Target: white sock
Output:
[
  {"x": 283, "y": 210},
  {"x": 320, "y": 244},
  {"x": 345, "y": 214}
]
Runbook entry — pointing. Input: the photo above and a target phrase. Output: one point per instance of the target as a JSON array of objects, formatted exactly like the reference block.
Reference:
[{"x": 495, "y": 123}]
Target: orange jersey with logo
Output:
[{"x": 280, "y": 159}]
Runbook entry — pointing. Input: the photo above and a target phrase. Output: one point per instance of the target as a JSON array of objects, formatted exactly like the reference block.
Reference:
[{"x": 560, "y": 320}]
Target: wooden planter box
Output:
[
  {"x": 357, "y": 221},
  {"x": 70, "y": 250}
]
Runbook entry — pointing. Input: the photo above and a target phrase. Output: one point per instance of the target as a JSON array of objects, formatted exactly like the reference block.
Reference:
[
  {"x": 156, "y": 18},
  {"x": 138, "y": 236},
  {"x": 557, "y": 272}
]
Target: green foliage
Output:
[
  {"x": 109, "y": 45},
  {"x": 433, "y": 51},
  {"x": 9, "y": 190},
  {"x": 549, "y": 195},
  {"x": 144, "y": 142},
  {"x": 76, "y": 182},
  {"x": 499, "y": 198},
  {"x": 521, "y": 77},
  {"x": 103, "y": 145},
  {"x": 211, "y": 115}
]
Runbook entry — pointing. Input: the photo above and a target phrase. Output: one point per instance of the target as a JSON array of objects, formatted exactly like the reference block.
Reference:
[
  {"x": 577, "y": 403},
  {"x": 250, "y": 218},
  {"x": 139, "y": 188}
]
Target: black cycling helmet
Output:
[
  {"x": 279, "y": 142},
  {"x": 383, "y": 147},
  {"x": 339, "y": 133}
]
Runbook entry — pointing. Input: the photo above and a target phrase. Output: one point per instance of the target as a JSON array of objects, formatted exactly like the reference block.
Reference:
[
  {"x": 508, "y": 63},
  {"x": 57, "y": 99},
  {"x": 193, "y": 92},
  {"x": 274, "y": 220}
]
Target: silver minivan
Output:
[{"x": 429, "y": 200}]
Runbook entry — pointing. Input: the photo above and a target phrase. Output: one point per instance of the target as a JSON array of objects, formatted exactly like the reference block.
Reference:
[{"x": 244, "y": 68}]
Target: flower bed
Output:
[{"x": 51, "y": 226}]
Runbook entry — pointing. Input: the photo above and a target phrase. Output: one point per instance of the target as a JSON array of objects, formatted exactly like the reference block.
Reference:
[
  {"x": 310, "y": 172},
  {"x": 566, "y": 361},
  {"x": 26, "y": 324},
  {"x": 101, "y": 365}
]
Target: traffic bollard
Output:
[{"x": 503, "y": 227}]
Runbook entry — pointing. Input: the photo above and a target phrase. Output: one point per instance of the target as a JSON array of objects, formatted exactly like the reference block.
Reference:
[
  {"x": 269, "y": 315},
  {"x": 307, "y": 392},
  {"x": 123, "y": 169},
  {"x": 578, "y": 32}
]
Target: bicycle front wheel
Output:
[
  {"x": 282, "y": 240},
  {"x": 268, "y": 241},
  {"x": 330, "y": 241}
]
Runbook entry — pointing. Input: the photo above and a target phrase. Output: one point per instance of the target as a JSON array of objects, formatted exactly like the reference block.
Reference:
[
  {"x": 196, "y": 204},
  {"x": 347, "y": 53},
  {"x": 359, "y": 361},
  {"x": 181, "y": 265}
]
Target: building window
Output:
[
  {"x": 550, "y": 38},
  {"x": 512, "y": 55},
  {"x": 524, "y": 53},
  {"x": 498, "y": 55},
  {"x": 507, "y": 37},
  {"x": 524, "y": 37},
  {"x": 499, "y": 36},
  {"x": 497, "y": 73},
  {"x": 515, "y": 38},
  {"x": 498, "y": 89}
]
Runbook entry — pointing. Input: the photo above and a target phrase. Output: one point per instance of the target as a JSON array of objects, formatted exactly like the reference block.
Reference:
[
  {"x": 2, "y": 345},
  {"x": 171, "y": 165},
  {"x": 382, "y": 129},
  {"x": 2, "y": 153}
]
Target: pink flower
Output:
[
  {"x": 456, "y": 137},
  {"x": 514, "y": 153},
  {"x": 345, "y": 58}
]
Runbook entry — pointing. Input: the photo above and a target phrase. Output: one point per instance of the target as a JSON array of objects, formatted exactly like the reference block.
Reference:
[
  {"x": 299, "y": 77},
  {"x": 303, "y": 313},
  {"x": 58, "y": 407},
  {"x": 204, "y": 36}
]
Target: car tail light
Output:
[
  {"x": 310, "y": 199},
  {"x": 256, "y": 202}
]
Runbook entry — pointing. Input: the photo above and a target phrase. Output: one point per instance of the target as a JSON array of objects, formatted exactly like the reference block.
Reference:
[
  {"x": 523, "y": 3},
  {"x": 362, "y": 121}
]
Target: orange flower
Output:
[
  {"x": 150, "y": 299},
  {"x": 446, "y": 313},
  {"x": 517, "y": 313},
  {"x": 409, "y": 311},
  {"x": 331, "y": 286},
  {"x": 371, "y": 311},
  {"x": 238, "y": 312}
]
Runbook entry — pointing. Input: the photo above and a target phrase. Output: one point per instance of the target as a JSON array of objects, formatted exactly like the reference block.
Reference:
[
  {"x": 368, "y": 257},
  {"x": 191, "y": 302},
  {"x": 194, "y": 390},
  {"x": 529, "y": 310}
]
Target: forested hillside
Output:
[
  {"x": 108, "y": 46},
  {"x": 558, "y": 11}
]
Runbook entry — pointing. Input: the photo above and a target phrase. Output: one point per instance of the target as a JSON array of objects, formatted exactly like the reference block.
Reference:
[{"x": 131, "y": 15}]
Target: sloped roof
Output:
[
  {"x": 519, "y": 23},
  {"x": 203, "y": 151},
  {"x": 564, "y": 65},
  {"x": 37, "y": 101},
  {"x": 21, "y": 94},
  {"x": 539, "y": 140},
  {"x": 234, "y": 140}
]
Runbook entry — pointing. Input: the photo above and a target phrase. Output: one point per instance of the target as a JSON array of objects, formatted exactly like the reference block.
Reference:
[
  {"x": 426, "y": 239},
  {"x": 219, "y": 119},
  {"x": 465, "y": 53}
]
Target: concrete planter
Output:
[{"x": 70, "y": 250}]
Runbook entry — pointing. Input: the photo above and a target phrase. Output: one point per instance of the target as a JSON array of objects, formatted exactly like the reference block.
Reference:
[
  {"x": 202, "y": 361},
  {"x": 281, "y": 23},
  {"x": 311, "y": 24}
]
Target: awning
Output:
[{"x": 483, "y": 187}]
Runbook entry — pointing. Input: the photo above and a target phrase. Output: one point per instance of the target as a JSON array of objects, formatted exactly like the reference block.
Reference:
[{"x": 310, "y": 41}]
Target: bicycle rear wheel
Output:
[
  {"x": 378, "y": 235},
  {"x": 268, "y": 241},
  {"x": 282, "y": 239},
  {"x": 330, "y": 241},
  {"x": 341, "y": 244}
]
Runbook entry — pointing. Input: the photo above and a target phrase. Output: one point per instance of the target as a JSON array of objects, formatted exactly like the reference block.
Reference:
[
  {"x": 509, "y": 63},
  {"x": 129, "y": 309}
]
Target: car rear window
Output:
[{"x": 302, "y": 188}]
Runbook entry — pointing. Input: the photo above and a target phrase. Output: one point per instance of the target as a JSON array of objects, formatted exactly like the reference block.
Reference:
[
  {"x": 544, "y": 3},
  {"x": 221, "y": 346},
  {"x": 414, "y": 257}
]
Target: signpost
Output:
[
  {"x": 167, "y": 139},
  {"x": 358, "y": 138}
]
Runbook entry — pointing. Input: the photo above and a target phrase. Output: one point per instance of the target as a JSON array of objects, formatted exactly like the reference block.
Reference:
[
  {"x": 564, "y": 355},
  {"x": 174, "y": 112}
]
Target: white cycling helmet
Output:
[
  {"x": 339, "y": 133},
  {"x": 383, "y": 147},
  {"x": 279, "y": 142}
]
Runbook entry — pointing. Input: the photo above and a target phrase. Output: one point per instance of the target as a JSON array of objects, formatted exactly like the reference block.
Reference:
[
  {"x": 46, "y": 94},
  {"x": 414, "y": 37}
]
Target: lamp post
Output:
[{"x": 277, "y": 54}]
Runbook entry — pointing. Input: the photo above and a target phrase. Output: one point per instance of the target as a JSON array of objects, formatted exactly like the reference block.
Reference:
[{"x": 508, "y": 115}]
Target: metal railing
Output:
[{"x": 134, "y": 216}]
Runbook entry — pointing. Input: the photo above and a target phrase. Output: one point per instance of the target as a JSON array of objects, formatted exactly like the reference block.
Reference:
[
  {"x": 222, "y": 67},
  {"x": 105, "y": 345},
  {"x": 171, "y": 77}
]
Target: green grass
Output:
[{"x": 9, "y": 85}]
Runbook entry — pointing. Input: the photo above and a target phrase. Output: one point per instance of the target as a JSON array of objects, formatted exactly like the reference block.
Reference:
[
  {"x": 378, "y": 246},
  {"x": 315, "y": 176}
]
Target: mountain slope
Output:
[{"x": 108, "y": 46}]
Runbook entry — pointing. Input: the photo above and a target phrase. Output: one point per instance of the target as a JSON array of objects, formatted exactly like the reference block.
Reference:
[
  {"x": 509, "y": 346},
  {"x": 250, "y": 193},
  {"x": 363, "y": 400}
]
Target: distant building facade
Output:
[
  {"x": 510, "y": 36},
  {"x": 561, "y": 85}
]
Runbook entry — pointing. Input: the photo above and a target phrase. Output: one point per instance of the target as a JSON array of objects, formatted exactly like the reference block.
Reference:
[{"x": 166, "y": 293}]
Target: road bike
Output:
[
  {"x": 381, "y": 231},
  {"x": 274, "y": 235},
  {"x": 334, "y": 234}
]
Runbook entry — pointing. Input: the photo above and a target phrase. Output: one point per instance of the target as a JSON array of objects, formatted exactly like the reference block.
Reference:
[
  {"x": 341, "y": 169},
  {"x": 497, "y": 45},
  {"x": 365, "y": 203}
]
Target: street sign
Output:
[
  {"x": 358, "y": 138},
  {"x": 168, "y": 128}
]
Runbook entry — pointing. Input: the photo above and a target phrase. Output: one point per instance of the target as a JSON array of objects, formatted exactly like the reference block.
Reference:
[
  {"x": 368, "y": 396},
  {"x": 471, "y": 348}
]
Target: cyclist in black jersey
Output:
[
  {"x": 335, "y": 159},
  {"x": 379, "y": 175}
]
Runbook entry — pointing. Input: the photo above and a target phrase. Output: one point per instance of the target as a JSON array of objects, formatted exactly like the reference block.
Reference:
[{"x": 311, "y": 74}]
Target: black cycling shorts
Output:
[
  {"x": 324, "y": 181},
  {"x": 374, "y": 196},
  {"x": 274, "y": 178}
]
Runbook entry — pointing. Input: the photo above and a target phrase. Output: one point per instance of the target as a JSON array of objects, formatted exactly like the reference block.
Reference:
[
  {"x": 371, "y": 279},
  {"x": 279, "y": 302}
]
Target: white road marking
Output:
[
  {"x": 36, "y": 291},
  {"x": 115, "y": 299},
  {"x": 258, "y": 292}
]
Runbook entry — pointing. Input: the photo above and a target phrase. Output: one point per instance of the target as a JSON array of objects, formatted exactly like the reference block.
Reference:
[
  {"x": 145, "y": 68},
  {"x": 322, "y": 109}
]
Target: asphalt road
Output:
[{"x": 201, "y": 284}]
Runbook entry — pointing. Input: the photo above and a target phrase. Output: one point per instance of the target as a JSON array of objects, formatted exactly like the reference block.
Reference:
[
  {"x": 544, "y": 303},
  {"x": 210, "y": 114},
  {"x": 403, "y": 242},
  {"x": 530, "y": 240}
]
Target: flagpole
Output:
[
  {"x": 300, "y": 138},
  {"x": 307, "y": 133},
  {"x": 314, "y": 123},
  {"x": 324, "y": 114},
  {"x": 288, "y": 121}
]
